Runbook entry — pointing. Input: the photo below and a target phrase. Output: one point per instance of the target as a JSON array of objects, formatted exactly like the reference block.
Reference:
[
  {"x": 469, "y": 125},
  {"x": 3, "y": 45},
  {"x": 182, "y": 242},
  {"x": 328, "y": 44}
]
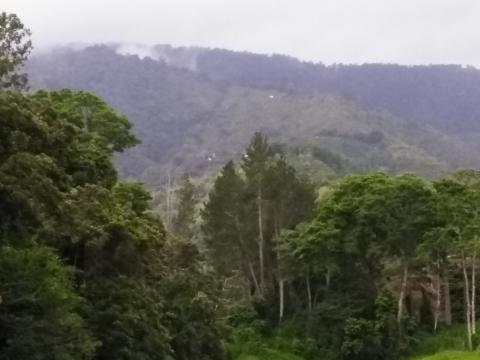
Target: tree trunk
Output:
[
  {"x": 254, "y": 279},
  {"x": 472, "y": 303},
  {"x": 260, "y": 240},
  {"x": 467, "y": 305},
  {"x": 447, "y": 300},
  {"x": 401, "y": 297},
  {"x": 168, "y": 195},
  {"x": 281, "y": 285},
  {"x": 281, "y": 282},
  {"x": 246, "y": 258},
  {"x": 438, "y": 300},
  {"x": 309, "y": 294}
]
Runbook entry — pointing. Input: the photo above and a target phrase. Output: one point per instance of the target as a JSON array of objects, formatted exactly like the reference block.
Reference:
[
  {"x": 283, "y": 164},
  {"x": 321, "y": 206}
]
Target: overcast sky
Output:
[{"x": 331, "y": 31}]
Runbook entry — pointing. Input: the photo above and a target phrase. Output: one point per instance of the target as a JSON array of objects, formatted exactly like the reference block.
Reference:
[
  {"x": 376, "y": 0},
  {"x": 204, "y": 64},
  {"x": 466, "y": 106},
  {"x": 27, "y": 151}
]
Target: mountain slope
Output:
[
  {"x": 444, "y": 96},
  {"x": 190, "y": 123}
]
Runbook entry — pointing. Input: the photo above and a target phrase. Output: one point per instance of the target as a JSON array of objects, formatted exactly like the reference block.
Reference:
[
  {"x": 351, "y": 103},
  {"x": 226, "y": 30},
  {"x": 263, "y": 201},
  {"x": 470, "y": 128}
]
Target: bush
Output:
[{"x": 452, "y": 338}]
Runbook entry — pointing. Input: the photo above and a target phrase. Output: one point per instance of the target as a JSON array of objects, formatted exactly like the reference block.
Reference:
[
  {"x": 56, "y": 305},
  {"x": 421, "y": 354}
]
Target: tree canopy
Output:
[{"x": 15, "y": 46}]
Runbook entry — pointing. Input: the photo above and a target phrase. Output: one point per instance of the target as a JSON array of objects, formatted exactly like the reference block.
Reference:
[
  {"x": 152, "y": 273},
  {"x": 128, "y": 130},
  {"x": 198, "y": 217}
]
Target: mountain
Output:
[
  {"x": 445, "y": 96},
  {"x": 196, "y": 108}
]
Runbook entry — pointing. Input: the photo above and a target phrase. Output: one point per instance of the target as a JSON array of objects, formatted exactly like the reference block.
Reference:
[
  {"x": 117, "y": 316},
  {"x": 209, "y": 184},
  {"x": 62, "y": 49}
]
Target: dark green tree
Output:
[
  {"x": 193, "y": 305},
  {"x": 224, "y": 227},
  {"x": 39, "y": 310},
  {"x": 362, "y": 225},
  {"x": 289, "y": 201},
  {"x": 408, "y": 211},
  {"x": 184, "y": 221},
  {"x": 255, "y": 164},
  {"x": 59, "y": 189},
  {"x": 247, "y": 210},
  {"x": 455, "y": 239}
]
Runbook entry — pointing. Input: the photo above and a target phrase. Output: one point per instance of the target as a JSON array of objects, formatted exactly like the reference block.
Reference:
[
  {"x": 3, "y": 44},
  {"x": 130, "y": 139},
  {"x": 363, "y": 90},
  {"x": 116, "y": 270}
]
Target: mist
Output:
[{"x": 374, "y": 31}]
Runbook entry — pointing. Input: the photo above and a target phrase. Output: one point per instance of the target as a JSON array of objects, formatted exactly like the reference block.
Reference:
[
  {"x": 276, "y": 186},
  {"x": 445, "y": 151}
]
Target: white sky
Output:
[{"x": 331, "y": 31}]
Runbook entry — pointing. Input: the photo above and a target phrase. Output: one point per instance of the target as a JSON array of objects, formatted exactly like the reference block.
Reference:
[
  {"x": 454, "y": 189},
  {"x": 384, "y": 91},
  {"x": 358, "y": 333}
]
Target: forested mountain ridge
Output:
[
  {"x": 196, "y": 120},
  {"x": 441, "y": 95}
]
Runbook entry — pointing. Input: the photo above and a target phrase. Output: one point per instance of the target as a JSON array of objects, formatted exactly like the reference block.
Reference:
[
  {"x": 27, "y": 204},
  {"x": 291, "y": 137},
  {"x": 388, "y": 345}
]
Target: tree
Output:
[
  {"x": 15, "y": 46},
  {"x": 184, "y": 221},
  {"x": 127, "y": 315},
  {"x": 471, "y": 179},
  {"x": 459, "y": 213},
  {"x": 438, "y": 246},
  {"x": 224, "y": 227},
  {"x": 256, "y": 164},
  {"x": 194, "y": 304},
  {"x": 40, "y": 311},
  {"x": 84, "y": 268},
  {"x": 362, "y": 226},
  {"x": 373, "y": 338},
  {"x": 408, "y": 214},
  {"x": 247, "y": 210},
  {"x": 46, "y": 151},
  {"x": 290, "y": 201}
]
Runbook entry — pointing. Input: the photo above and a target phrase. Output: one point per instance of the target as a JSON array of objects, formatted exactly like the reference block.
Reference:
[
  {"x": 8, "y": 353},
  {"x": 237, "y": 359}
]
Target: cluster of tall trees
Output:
[
  {"x": 376, "y": 259},
  {"x": 376, "y": 234},
  {"x": 249, "y": 206},
  {"x": 365, "y": 260}
]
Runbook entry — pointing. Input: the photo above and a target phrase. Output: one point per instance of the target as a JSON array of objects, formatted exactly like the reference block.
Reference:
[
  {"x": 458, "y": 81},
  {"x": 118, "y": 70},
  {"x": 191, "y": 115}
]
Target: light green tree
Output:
[{"x": 15, "y": 46}]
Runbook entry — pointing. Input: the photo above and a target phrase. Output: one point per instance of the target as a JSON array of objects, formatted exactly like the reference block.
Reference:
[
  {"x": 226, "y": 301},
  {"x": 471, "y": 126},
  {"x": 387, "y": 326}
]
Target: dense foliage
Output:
[
  {"x": 246, "y": 211},
  {"x": 87, "y": 271}
]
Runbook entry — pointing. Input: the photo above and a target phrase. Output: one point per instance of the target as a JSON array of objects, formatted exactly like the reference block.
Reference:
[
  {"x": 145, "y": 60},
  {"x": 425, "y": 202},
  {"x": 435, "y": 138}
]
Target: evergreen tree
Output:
[
  {"x": 249, "y": 212},
  {"x": 255, "y": 164},
  {"x": 224, "y": 227},
  {"x": 184, "y": 222},
  {"x": 40, "y": 310}
]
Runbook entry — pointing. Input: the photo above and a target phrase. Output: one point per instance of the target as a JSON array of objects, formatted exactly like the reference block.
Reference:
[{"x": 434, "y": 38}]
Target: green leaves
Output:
[
  {"x": 362, "y": 340},
  {"x": 15, "y": 46},
  {"x": 128, "y": 316},
  {"x": 247, "y": 210},
  {"x": 256, "y": 160},
  {"x": 59, "y": 188},
  {"x": 362, "y": 225},
  {"x": 39, "y": 313},
  {"x": 183, "y": 223},
  {"x": 223, "y": 224},
  {"x": 88, "y": 112},
  {"x": 458, "y": 199}
]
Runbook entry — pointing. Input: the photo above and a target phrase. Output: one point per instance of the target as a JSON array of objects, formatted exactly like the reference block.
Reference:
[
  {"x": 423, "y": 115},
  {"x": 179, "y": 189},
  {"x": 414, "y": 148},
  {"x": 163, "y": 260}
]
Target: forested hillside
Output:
[
  {"x": 440, "y": 95},
  {"x": 196, "y": 121}
]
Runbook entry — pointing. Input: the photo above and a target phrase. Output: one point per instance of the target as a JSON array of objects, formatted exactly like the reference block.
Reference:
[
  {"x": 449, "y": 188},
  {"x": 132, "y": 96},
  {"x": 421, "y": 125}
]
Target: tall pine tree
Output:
[{"x": 184, "y": 222}]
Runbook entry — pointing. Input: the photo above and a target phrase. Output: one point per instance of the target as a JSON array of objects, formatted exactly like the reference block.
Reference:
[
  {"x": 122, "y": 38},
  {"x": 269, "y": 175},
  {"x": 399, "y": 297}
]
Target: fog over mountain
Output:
[{"x": 331, "y": 31}]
